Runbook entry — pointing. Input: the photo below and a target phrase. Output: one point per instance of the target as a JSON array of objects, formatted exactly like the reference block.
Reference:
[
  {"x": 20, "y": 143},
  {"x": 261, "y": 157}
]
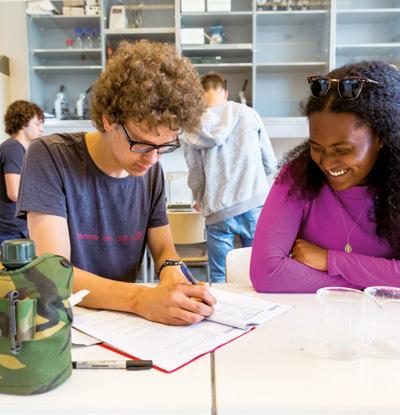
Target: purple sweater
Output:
[{"x": 319, "y": 221}]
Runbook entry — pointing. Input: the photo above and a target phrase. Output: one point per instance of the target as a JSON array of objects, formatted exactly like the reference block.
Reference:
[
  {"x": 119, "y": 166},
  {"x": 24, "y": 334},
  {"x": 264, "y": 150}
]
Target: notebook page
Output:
[
  {"x": 241, "y": 311},
  {"x": 168, "y": 346}
]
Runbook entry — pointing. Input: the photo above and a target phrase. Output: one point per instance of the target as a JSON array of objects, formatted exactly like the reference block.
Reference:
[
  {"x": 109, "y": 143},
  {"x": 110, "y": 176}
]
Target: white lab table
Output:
[
  {"x": 118, "y": 391},
  {"x": 276, "y": 369}
]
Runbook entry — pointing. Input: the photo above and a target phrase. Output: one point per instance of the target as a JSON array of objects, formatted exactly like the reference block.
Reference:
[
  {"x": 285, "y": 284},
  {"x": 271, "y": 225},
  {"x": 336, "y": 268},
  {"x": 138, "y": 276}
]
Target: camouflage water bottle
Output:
[{"x": 35, "y": 319}]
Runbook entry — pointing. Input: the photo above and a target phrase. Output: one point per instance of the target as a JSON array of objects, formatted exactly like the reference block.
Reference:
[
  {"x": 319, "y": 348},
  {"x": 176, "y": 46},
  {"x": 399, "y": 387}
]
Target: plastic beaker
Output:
[
  {"x": 342, "y": 331},
  {"x": 384, "y": 321}
]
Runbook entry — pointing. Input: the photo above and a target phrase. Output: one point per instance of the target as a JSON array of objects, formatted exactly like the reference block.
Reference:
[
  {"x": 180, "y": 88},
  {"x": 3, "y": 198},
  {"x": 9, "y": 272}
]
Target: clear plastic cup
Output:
[
  {"x": 384, "y": 321},
  {"x": 342, "y": 325}
]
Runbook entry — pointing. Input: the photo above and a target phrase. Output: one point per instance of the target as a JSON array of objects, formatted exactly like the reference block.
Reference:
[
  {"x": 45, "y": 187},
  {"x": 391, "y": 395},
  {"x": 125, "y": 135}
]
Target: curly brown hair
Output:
[
  {"x": 148, "y": 81},
  {"x": 18, "y": 115}
]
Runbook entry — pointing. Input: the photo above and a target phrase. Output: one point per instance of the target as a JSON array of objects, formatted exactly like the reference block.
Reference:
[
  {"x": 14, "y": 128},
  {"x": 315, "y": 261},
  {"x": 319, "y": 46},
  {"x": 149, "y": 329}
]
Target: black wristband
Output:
[{"x": 169, "y": 263}]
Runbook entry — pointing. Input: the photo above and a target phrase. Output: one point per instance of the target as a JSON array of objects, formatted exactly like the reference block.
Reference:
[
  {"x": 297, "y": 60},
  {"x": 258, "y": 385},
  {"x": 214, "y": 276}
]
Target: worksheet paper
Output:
[
  {"x": 242, "y": 311},
  {"x": 82, "y": 339},
  {"x": 171, "y": 347},
  {"x": 77, "y": 337}
]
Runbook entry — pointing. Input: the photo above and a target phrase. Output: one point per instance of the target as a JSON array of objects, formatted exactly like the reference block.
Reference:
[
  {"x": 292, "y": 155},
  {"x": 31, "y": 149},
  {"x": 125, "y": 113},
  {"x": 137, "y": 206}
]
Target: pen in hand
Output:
[
  {"x": 113, "y": 364},
  {"x": 188, "y": 275}
]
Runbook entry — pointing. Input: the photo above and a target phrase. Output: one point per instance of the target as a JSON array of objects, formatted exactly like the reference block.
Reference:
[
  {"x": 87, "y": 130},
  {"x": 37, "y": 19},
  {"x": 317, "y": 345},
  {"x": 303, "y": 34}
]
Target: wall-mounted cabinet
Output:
[
  {"x": 289, "y": 46},
  {"x": 268, "y": 47},
  {"x": 131, "y": 21},
  {"x": 234, "y": 56},
  {"x": 57, "y": 57},
  {"x": 366, "y": 30}
]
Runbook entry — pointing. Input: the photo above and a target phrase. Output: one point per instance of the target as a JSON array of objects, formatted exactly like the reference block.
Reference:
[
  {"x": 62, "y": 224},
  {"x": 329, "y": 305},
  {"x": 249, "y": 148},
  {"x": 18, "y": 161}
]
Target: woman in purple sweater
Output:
[{"x": 332, "y": 217}]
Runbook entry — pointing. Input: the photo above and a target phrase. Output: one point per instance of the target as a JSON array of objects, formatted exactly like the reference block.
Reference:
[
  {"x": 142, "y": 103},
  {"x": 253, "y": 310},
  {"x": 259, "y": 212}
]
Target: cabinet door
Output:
[
  {"x": 63, "y": 50},
  {"x": 224, "y": 43},
  {"x": 367, "y": 30},
  {"x": 132, "y": 21},
  {"x": 290, "y": 45}
]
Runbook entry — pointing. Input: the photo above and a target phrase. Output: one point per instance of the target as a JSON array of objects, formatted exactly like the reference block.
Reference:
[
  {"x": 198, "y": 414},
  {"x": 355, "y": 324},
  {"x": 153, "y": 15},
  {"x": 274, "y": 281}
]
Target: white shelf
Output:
[
  {"x": 367, "y": 11},
  {"x": 226, "y": 67},
  {"x": 367, "y": 47},
  {"x": 292, "y": 17},
  {"x": 200, "y": 19},
  {"x": 61, "y": 21},
  {"x": 285, "y": 43},
  {"x": 67, "y": 53},
  {"x": 140, "y": 31},
  {"x": 216, "y": 14},
  {"x": 63, "y": 17},
  {"x": 370, "y": 10},
  {"x": 367, "y": 16},
  {"x": 53, "y": 125},
  {"x": 289, "y": 66},
  {"x": 220, "y": 46},
  {"x": 68, "y": 68}
]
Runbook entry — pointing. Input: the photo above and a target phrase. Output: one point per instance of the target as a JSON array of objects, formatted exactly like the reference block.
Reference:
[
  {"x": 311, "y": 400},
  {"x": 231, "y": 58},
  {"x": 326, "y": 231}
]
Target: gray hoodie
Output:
[{"x": 229, "y": 160}]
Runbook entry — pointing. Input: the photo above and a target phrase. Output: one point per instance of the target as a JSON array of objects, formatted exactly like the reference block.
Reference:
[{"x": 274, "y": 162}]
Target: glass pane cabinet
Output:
[{"x": 264, "y": 48}]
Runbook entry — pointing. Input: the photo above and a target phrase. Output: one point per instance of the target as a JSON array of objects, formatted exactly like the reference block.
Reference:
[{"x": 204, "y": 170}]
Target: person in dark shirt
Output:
[
  {"x": 97, "y": 198},
  {"x": 23, "y": 122}
]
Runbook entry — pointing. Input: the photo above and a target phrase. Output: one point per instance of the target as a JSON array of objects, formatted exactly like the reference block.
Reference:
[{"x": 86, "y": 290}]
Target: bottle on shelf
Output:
[
  {"x": 97, "y": 38},
  {"x": 69, "y": 42},
  {"x": 61, "y": 106},
  {"x": 82, "y": 105},
  {"x": 87, "y": 38},
  {"x": 242, "y": 92},
  {"x": 78, "y": 38}
]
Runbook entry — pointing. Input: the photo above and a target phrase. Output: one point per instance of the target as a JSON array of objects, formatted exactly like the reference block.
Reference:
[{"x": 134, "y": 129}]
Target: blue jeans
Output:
[{"x": 221, "y": 237}]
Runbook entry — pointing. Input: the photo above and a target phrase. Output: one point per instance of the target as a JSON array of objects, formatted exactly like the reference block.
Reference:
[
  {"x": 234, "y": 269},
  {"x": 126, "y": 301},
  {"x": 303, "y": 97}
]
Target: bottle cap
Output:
[{"x": 17, "y": 253}]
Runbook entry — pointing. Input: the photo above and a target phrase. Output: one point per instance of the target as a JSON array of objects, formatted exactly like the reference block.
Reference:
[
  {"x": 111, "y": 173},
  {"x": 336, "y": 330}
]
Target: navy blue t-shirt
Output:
[
  {"x": 11, "y": 156},
  {"x": 107, "y": 217}
]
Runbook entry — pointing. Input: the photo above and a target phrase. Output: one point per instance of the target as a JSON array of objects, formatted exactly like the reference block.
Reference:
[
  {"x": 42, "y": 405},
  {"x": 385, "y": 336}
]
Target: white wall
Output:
[
  {"x": 4, "y": 99},
  {"x": 13, "y": 43}
]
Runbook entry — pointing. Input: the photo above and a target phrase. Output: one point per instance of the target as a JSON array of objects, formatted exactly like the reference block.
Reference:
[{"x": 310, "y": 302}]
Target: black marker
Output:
[{"x": 113, "y": 364}]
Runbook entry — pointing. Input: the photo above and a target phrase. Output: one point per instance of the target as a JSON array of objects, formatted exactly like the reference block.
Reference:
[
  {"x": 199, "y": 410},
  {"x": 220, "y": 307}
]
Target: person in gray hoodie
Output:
[{"x": 229, "y": 160}]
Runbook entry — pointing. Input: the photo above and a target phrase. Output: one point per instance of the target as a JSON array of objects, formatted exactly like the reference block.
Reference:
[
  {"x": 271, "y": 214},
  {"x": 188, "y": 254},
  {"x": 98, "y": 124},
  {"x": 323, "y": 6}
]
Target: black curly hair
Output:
[{"x": 378, "y": 107}]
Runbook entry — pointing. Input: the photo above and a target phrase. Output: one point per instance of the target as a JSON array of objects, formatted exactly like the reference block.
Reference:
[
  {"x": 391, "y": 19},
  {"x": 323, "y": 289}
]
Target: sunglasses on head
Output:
[{"x": 348, "y": 88}]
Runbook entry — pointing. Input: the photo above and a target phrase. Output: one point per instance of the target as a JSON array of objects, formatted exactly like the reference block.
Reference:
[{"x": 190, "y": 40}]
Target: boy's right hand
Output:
[{"x": 175, "y": 304}]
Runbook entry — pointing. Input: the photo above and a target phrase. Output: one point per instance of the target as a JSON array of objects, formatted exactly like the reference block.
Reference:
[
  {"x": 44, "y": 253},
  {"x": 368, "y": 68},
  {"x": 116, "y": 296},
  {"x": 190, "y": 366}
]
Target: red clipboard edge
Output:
[{"x": 108, "y": 347}]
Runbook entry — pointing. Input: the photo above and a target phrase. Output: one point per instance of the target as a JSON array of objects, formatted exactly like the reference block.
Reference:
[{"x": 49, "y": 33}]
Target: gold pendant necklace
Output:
[{"x": 348, "y": 248}]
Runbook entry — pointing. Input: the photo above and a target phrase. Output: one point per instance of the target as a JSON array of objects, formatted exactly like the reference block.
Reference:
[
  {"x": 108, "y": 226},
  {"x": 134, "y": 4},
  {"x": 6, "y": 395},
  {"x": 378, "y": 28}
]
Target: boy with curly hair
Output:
[
  {"x": 24, "y": 122},
  {"x": 97, "y": 198}
]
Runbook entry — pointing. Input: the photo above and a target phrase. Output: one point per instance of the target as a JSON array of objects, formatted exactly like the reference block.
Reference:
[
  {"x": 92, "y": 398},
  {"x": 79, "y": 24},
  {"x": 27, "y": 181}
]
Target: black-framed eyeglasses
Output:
[
  {"x": 348, "y": 88},
  {"x": 141, "y": 147}
]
